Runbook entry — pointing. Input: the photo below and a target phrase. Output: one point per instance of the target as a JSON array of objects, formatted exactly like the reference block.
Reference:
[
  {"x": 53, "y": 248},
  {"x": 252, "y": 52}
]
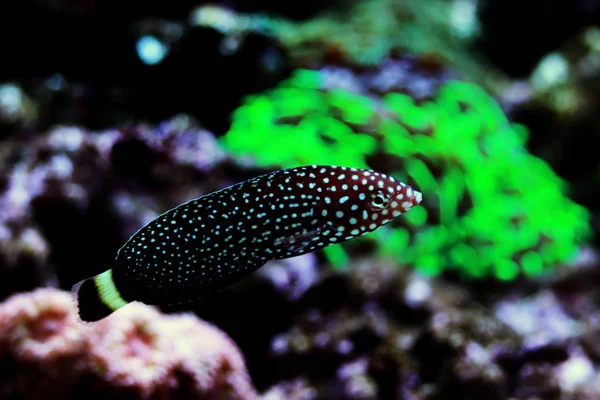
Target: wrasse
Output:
[{"x": 209, "y": 243}]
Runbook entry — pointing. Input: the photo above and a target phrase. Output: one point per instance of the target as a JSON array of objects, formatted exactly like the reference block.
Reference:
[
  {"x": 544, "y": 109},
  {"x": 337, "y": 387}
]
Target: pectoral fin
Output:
[{"x": 297, "y": 243}]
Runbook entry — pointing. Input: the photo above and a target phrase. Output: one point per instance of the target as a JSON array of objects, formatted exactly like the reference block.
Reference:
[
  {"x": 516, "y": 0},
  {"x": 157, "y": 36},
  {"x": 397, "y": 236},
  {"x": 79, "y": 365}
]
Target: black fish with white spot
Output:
[{"x": 209, "y": 243}]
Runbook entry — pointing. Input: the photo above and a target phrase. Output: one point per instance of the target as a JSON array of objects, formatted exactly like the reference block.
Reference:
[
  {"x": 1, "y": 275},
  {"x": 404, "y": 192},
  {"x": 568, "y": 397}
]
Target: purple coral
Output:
[
  {"x": 291, "y": 276},
  {"x": 63, "y": 188}
]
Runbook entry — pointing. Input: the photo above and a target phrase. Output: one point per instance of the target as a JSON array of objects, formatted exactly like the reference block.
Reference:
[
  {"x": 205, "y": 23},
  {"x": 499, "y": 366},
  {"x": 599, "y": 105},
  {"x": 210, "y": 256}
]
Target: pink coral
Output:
[
  {"x": 210, "y": 360},
  {"x": 40, "y": 331},
  {"x": 137, "y": 352},
  {"x": 132, "y": 350}
]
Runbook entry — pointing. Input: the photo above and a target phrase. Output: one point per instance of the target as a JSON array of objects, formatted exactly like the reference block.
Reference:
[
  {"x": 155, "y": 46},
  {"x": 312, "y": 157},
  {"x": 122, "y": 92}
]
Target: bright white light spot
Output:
[
  {"x": 551, "y": 71},
  {"x": 150, "y": 50}
]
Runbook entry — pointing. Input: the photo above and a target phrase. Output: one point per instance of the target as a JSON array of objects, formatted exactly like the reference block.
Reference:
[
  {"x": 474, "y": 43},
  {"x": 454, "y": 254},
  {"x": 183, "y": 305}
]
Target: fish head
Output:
[{"x": 363, "y": 201}]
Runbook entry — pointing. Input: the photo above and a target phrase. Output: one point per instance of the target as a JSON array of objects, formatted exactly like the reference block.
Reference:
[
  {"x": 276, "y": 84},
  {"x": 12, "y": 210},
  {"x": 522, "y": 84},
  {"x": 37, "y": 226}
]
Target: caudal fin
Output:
[{"x": 97, "y": 297}]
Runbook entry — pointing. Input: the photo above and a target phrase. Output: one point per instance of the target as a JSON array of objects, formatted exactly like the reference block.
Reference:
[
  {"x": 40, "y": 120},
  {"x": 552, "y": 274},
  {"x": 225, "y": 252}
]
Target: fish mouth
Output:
[{"x": 418, "y": 197}]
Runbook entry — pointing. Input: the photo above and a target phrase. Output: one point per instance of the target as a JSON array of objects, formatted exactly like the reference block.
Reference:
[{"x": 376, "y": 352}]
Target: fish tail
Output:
[{"x": 97, "y": 297}]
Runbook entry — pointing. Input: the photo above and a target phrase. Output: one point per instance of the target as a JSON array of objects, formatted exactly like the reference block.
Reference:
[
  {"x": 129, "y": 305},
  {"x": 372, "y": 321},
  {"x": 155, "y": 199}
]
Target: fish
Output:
[{"x": 209, "y": 243}]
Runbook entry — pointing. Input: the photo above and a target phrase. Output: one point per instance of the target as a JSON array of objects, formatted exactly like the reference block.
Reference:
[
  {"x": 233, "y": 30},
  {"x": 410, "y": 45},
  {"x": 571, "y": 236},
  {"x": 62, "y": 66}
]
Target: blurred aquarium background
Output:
[{"x": 113, "y": 112}]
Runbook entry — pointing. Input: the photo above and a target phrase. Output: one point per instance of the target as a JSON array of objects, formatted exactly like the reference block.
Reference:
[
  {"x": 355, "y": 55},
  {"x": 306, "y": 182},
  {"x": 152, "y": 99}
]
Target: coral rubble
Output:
[{"x": 376, "y": 331}]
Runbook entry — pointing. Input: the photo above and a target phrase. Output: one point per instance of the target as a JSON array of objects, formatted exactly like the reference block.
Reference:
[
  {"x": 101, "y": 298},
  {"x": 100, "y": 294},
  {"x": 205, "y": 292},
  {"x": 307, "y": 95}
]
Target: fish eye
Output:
[{"x": 380, "y": 200}]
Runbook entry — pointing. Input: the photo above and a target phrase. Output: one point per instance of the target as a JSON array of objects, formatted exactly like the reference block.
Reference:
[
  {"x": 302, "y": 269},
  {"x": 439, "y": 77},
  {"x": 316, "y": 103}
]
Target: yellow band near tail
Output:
[{"x": 107, "y": 291}]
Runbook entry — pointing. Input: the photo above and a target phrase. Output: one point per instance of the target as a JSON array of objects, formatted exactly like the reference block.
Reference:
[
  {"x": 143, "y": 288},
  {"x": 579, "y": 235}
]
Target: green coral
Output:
[{"x": 489, "y": 208}]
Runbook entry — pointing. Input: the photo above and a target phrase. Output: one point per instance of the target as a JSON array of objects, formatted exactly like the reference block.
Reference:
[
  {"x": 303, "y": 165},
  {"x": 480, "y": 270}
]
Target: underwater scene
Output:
[{"x": 271, "y": 200}]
